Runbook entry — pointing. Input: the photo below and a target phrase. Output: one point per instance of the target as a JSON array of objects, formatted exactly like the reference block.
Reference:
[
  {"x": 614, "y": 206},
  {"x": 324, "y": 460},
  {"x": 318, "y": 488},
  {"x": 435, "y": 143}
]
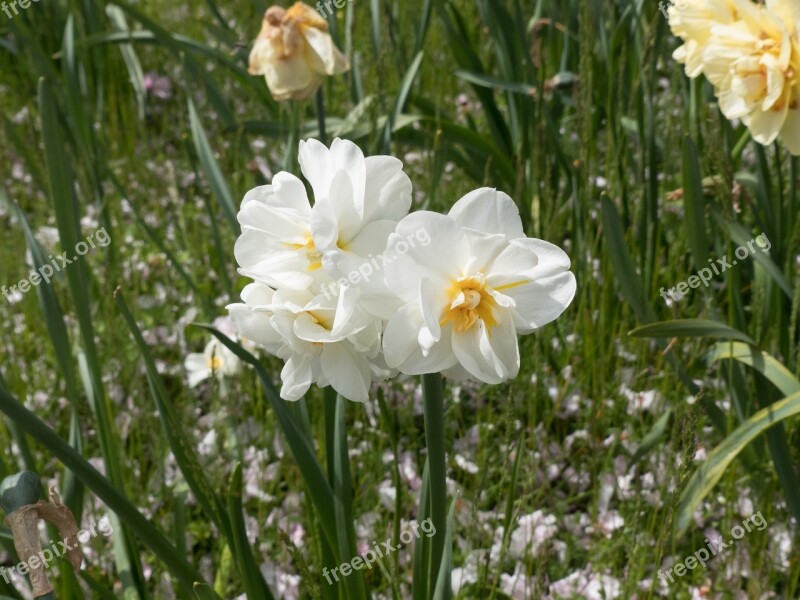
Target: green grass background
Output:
[{"x": 574, "y": 108}]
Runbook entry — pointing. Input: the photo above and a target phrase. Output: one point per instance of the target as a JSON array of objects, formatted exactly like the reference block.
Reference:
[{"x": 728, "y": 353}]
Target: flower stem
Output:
[
  {"x": 433, "y": 400},
  {"x": 341, "y": 484},
  {"x": 320, "y": 101}
]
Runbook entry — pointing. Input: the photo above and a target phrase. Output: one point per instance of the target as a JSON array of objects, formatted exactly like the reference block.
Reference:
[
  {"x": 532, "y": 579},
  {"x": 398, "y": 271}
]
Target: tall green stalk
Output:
[
  {"x": 341, "y": 484},
  {"x": 433, "y": 400},
  {"x": 320, "y": 105}
]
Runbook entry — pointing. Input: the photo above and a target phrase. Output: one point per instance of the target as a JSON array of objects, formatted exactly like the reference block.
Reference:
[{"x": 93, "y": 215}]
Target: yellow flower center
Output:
[
  {"x": 470, "y": 300},
  {"x": 313, "y": 256},
  {"x": 319, "y": 320},
  {"x": 214, "y": 363}
]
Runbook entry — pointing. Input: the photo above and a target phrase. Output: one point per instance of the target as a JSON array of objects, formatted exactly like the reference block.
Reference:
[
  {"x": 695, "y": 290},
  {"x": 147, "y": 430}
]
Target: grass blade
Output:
[
  {"x": 339, "y": 476},
  {"x": 65, "y": 204},
  {"x": 302, "y": 450},
  {"x": 694, "y": 204},
  {"x": 253, "y": 580},
  {"x": 707, "y": 476},
  {"x": 691, "y": 328},
  {"x": 764, "y": 363},
  {"x": 182, "y": 448},
  {"x": 433, "y": 401},
  {"x": 211, "y": 168}
]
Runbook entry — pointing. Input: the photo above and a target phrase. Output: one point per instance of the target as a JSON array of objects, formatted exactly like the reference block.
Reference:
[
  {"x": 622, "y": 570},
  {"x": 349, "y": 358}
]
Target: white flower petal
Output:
[
  {"x": 388, "y": 189},
  {"x": 196, "y": 361},
  {"x": 347, "y": 372},
  {"x": 541, "y": 301},
  {"x": 296, "y": 377},
  {"x": 526, "y": 258},
  {"x": 196, "y": 377},
  {"x": 439, "y": 260},
  {"x": 491, "y": 356},
  {"x": 488, "y": 211}
]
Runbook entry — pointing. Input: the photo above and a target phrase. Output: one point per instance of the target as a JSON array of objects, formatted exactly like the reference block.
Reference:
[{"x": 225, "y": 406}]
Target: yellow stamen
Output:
[
  {"x": 314, "y": 257},
  {"x": 470, "y": 300}
]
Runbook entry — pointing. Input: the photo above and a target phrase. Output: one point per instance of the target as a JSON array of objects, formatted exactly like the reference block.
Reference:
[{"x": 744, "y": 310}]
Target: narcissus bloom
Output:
[
  {"x": 469, "y": 293},
  {"x": 294, "y": 51},
  {"x": 317, "y": 345},
  {"x": 306, "y": 306},
  {"x": 358, "y": 202},
  {"x": 216, "y": 360},
  {"x": 751, "y": 55}
]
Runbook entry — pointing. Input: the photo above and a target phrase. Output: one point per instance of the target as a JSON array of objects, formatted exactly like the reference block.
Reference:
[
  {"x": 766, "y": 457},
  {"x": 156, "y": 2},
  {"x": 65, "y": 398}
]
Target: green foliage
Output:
[{"x": 577, "y": 110}]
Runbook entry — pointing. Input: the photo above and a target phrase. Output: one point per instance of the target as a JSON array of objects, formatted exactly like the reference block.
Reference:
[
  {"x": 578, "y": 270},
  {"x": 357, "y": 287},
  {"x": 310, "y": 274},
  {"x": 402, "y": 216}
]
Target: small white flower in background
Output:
[
  {"x": 465, "y": 464},
  {"x": 586, "y": 584},
  {"x": 469, "y": 573},
  {"x": 469, "y": 293},
  {"x": 215, "y": 360},
  {"x": 608, "y": 522},
  {"x": 517, "y": 586},
  {"x": 646, "y": 401},
  {"x": 294, "y": 52},
  {"x": 158, "y": 86},
  {"x": 532, "y": 532}
]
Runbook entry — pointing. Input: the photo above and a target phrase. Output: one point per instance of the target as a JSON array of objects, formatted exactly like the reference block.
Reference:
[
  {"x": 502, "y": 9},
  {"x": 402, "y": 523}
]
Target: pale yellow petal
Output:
[
  {"x": 766, "y": 125},
  {"x": 322, "y": 44},
  {"x": 790, "y": 134}
]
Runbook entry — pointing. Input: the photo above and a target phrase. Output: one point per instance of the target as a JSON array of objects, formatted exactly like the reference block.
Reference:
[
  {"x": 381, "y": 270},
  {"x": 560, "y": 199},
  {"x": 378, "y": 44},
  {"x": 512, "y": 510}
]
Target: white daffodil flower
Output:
[
  {"x": 294, "y": 52},
  {"x": 467, "y": 295},
  {"x": 358, "y": 201},
  {"x": 254, "y": 316},
  {"x": 216, "y": 360},
  {"x": 321, "y": 352},
  {"x": 303, "y": 330},
  {"x": 319, "y": 270},
  {"x": 276, "y": 245}
]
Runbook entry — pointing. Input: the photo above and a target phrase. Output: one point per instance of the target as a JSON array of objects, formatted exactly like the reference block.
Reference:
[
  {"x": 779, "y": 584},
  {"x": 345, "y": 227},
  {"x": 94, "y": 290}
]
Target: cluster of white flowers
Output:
[
  {"x": 751, "y": 55},
  {"x": 453, "y": 305}
]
